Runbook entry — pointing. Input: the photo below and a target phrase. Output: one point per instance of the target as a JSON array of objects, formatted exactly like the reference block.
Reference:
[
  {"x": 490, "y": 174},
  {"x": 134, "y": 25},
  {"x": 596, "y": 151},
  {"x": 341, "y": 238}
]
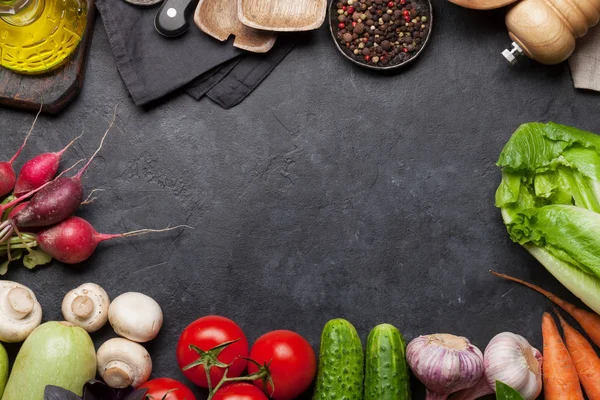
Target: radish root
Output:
[
  {"x": 91, "y": 199},
  {"x": 61, "y": 152},
  {"x": 112, "y": 122},
  {"x": 12, "y": 160},
  {"x": 139, "y": 232},
  {"x": 67, "y": 170},
  {"x": 144, "y": 231}
]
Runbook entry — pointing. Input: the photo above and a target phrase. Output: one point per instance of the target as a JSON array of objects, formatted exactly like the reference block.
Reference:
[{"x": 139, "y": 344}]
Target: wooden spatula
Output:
[
  {"x": 219, "y": 19},
  {"x": 282, "y": 15}
]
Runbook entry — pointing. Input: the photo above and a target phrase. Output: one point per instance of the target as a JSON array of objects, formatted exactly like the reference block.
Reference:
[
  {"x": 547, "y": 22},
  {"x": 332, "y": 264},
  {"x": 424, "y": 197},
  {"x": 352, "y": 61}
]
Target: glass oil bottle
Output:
[{"x": 39, "y": 35}]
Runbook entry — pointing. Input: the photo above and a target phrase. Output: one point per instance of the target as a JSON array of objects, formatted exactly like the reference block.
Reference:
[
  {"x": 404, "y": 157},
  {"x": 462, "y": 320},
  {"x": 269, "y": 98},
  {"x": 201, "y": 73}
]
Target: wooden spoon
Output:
[
  {"x": 282, "y": 15},
  {"x": 482, "y": 4},
  {"x": 218, "y": 18}
]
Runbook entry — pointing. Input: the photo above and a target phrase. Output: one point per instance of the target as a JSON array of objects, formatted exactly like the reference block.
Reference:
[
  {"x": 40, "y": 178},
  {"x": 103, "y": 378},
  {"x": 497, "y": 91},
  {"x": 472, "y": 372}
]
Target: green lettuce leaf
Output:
[
  {"x": 571, "y": 135},
  {"x": 568, "y": 232},
  {"x": 530, "y": 149},
  {"x": 585, "y": 286},
  {"x": 550, "y": 202}
]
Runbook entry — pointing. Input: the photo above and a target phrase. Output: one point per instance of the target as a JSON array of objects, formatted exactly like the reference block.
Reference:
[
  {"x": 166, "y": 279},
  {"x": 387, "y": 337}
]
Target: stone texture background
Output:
[{"x": 330, "y": 192}]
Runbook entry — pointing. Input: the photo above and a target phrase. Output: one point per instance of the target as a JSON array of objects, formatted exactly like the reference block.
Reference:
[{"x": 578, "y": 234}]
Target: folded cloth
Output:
[
  {"x": 236, "y": 80},
  {"x": 151, "y": 65},
  {"x": 585, "y": 61},
  {"x": 200, "y": 86}
]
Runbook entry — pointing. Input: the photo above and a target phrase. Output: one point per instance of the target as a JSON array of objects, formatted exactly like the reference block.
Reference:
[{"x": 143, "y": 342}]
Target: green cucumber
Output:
[
  {"x": 55, "y": 353},
  {"x": 341, "y": 363},
  {"x": 4, "y": 368},
  {"x": 386, "y": 371}
]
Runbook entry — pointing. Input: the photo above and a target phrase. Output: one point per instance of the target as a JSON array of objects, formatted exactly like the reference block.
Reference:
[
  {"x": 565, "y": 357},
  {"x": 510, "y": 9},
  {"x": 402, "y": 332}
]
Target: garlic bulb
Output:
[
  {"x": 510, "y": 359},
  {"x": 444, "y": 363}
]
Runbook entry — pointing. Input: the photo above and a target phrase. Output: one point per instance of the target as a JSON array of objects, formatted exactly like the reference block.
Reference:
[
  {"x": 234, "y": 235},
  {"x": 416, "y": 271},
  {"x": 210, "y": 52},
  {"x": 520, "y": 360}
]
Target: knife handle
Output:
[{"x": 171, "y": 19}]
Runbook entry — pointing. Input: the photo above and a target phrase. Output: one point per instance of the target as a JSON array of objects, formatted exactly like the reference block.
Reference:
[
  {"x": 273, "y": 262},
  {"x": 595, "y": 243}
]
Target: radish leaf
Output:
[{"x": 36, "y": 257}]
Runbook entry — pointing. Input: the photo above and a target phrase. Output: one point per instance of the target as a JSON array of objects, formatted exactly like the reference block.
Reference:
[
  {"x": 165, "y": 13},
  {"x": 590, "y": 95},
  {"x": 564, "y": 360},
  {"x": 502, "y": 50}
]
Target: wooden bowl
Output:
[
  {"x": 333, "y": 27},
  {"x": 282, "y": 15},
  {"x": 218, "y": 18}
]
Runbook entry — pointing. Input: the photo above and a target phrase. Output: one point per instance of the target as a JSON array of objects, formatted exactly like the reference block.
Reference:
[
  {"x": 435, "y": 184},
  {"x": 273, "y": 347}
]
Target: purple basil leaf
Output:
[
  {"x": 139, "y": 394},
  {"x": 96, "y": 390},
  {"x": 58, "y": 393}
]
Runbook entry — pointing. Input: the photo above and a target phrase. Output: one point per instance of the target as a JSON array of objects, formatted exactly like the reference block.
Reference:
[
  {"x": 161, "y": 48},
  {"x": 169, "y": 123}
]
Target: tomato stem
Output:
[
  {"x": 261, "y": 374},
  {"x": 209, "y": 359},
  {"x": 210, "y": 388}
]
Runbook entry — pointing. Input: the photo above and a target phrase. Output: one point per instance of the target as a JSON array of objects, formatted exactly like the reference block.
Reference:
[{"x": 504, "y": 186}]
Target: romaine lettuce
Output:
[{"x": 550, "y": 202}]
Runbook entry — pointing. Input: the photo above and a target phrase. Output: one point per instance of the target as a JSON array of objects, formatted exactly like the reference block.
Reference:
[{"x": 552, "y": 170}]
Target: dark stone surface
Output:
[{"x": 330, "y": 192}]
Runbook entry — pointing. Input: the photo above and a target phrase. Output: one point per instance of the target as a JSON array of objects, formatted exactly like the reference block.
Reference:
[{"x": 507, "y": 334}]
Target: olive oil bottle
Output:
[{"x": 38, "y": 35}]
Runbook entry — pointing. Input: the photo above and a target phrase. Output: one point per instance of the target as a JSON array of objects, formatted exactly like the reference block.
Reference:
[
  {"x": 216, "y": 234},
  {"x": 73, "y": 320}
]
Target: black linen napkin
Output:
[
  {"x": 233, "y": 82},
  {"x": 152, "y": 65}
]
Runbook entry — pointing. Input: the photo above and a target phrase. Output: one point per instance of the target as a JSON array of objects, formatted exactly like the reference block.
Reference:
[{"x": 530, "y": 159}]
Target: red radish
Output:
[
  {"x": 14, "y": 212},
  {"x": 53, "y": 204},
  {"x": 39, "y": 170},
  {"x": 58, "y": 200},
  {"x": 7, "y": 172},
  {"x": 16, "y": 209},
  {"x": 7, "y": 226},
  {"x": 74, "y": 240}
]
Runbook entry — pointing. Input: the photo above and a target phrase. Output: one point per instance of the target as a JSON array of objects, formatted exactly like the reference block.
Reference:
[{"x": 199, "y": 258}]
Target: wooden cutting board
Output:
[{"x": 57, "y": 88}]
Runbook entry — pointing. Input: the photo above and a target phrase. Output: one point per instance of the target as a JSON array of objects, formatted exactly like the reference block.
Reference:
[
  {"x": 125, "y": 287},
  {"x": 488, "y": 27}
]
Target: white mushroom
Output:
[
  {"x": 123, "y": 363},
  {"x": 20, "y": 312},
  {"x": 135, "y": 316},
  {"x": 86, "y": 306}
]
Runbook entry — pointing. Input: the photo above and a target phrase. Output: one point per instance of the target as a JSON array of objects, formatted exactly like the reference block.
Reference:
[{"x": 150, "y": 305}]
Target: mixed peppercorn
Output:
[{"x": 381, "y": 33}]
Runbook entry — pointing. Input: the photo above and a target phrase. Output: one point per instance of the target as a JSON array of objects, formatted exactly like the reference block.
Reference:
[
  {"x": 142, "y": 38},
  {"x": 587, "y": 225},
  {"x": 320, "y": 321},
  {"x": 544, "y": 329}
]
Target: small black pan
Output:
[{"x": 333, "y": 27}]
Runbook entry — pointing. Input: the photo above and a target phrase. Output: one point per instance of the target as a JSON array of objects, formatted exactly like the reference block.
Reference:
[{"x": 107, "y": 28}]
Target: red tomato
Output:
[
  {"x": 167, "y": 389},
  {"x": 207, "y": 333},
  {"x": 293, "y": 363},
  {"x": 239, "y": 391}
]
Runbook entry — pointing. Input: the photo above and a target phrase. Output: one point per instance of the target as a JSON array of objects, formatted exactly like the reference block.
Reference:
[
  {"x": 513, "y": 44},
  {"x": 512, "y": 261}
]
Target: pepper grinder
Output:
[{"x": 546, "y": 30}]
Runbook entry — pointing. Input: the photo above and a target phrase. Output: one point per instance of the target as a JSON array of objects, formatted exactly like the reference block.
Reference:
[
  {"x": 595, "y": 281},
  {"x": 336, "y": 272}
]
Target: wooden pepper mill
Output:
[{"x": 544, "y": 30}]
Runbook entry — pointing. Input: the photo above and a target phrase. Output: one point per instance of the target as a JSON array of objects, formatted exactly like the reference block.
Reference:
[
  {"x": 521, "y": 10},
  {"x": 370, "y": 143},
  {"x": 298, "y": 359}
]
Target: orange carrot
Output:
[
  {"x": 590, "y": 322},
  {"x": 585, "y": 359},
  {"x": 560, "y": 376}
]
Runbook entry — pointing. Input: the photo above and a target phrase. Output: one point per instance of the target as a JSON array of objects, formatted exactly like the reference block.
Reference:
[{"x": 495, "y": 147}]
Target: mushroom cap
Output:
[
  {"x": 86, "y": 306},
  {"x": 20, "y": 312},
  {"x": 135, "y": 316},
  {"x": 122, "y": 362}
]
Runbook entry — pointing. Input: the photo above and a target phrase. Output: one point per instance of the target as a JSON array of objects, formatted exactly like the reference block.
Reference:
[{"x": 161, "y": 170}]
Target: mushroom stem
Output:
[
  {"x": 82, "y": 306},
  {"x": 118, "y": 374},
  {"x": 86, "y": 306},
  {"x": 20, "y": 303}
]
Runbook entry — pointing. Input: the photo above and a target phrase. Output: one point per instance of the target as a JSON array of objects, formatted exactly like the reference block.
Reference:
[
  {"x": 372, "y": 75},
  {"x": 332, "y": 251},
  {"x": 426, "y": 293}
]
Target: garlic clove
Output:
[
  {"x": 444, "y": 363},
  {"x": 508, "y": 358}
]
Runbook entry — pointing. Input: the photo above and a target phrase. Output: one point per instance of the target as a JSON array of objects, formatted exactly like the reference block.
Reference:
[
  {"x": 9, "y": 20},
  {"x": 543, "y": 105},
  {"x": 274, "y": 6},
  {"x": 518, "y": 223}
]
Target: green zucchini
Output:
[
  {"x": 386, "y": 370},
  {"x": 341, "y": 363},
  {"x": 55, "y": 353},
  {"x": 4, "y": 368}
]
